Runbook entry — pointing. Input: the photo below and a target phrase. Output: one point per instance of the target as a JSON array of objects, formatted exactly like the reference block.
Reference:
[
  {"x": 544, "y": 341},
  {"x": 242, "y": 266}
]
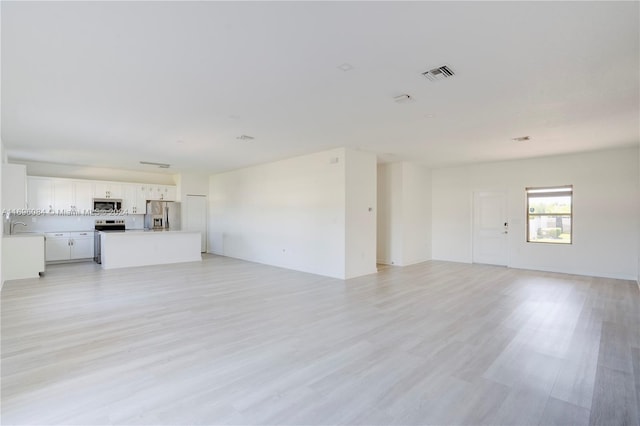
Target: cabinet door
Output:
[
  {"x": 57, "y": 249},
  {"x": 14, "y": 186},
  {"x": 154, "y": 192},
  {"x": 81, "y": 245},
  {"x": 170, "y": 193},
  {"x": 130, "y": 198},
  {"x": 107, "y": 190},
  {"x": 63, "y": 195},
  {"x": 40, "y": 194},
  {"x": 115, "y": 190},
  {"x": 83, "y": 191},
  {"x": 142, "y": 197}
]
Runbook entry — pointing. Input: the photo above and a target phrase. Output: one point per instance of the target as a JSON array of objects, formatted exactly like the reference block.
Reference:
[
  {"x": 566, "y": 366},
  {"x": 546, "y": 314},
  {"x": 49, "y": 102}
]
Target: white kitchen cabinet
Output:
[
  {"x": 171, "y": 193},
  {"x": 14, "y": 186},
  {"x": 68, "y": 245},
  {"x": 40, "y": 194},
  {"x": 133, "y": 199},
  {"x": 83, "y": 191},
  {"x": 107, "y": 190},
  {"x": 72, "y": 195},
  {"x": 141, "y": 198},
  {"x": 81, "y": 244},
  {"x": 162, "y": 192},
  {"x": 63, "y": 199},
  {"x": 153, "y": 193},
  {"x": 57, "y": 246}
]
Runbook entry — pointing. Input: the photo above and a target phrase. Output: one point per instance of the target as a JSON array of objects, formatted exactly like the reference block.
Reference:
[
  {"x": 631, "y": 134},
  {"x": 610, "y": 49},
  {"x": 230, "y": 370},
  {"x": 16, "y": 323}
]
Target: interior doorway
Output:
[
  {"x": 490, "y": 228},
  {"x": 196, "y": 218}
]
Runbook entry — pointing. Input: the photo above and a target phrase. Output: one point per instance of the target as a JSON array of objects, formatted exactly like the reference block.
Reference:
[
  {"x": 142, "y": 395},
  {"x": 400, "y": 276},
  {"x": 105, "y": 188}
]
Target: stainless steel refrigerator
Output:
[{"x": 162, "y": 215}]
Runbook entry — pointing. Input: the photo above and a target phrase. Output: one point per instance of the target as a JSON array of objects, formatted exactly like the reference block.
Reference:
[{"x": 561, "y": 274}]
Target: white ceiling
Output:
[{"x": 112, "y": 83}]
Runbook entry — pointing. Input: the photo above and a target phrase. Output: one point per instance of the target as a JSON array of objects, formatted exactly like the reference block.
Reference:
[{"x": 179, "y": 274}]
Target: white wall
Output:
[
  {"x": 416, "y": 212},
  {"x": 605, "y": 207},
  {"x": 360, "y": 214},
  {"x": 404, "y": 223},
  {"x": 95, "y": 173},
  {"x": 288, "y": 213}
]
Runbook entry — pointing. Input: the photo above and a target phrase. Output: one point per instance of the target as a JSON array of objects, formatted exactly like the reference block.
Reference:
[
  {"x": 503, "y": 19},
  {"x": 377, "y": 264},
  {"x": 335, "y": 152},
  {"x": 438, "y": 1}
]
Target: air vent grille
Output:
[{"x": 439, "y": 73}]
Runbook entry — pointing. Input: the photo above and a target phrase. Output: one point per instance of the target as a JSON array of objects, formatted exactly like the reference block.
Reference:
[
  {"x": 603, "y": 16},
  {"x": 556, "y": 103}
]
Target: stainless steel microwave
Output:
[{"x": 106, "y": 205}]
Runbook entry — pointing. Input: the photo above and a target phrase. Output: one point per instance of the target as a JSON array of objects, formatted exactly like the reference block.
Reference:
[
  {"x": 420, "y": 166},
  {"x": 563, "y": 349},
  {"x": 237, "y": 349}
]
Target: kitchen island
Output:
[{"x": 147, "y": 247}]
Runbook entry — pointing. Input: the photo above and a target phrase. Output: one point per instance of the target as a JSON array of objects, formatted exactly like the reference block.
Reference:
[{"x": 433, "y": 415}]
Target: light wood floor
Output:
[{"x": 231, "y": 342}]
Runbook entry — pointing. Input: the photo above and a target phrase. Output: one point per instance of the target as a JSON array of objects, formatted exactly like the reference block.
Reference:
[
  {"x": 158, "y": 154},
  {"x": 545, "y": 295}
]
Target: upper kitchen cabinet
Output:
[
  {"x": 14, "y": 186},
  {"x": 107, "y": 190},
  {"x": 83, "y": 191},
  {"x": 72, "y": 195},
  {"x": 134, "y": 198},
  {"x": 162, "y": 192},
  {"x": 40, "y": 194},
  {"x": 63, "y": 197}
]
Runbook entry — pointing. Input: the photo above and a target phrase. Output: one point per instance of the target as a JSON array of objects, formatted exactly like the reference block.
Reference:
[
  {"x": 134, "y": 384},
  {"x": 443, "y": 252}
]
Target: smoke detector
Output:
[{"x": 439, "y": 73}]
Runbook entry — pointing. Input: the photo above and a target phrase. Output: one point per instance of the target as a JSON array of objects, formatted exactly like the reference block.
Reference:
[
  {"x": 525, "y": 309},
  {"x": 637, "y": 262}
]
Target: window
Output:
[{"x": 550, "y": 216}]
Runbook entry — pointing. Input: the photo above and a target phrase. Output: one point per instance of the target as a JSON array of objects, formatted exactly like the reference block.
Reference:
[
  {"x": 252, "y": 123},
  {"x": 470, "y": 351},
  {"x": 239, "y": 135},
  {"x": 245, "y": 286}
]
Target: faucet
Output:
[{"x": 13, "y": 225}]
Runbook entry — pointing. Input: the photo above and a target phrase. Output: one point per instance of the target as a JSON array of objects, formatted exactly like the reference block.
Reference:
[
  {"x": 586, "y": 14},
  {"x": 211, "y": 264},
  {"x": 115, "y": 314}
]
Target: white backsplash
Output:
[{"x": 69, "y": 223}]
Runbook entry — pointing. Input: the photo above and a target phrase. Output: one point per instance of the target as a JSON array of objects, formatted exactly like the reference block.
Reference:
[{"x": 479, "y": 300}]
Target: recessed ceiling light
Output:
[
  {"x": 161, "y": 165},
  {"x": 245, "y": 138},
  {"x": 403, "y": 99},
  {"x": 345, "y": 67},
  {"x": 522, "y": 139}
]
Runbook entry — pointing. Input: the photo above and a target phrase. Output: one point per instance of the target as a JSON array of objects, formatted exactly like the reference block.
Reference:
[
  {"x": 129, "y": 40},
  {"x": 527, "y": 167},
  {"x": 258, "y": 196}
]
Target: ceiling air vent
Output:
[{"x": 439, "y": 73}]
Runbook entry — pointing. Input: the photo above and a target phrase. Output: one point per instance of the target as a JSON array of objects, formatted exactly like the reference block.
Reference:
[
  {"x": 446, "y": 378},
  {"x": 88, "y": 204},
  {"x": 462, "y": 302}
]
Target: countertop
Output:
[
  {"x": 148, "y": 231},
  {"x": 24, "y": 235}
]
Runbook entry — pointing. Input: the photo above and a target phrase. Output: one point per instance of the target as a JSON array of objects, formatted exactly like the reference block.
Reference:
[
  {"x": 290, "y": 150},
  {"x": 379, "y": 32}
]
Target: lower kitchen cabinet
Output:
[
  {"x": 61, "y": 246},
  {"x": 82, "y": 245}
]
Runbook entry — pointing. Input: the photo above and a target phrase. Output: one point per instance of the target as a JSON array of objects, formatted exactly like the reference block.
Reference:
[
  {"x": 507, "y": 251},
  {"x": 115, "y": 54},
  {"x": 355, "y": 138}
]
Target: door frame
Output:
[{"x": 503, "y": 191}]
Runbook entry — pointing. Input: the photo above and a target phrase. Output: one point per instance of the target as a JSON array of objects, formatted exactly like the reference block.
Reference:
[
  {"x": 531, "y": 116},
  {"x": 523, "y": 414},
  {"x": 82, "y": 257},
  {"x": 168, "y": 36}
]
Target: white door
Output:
[
  {"x": 196, "y": 218},
  {"x": 490, "y": 228}
]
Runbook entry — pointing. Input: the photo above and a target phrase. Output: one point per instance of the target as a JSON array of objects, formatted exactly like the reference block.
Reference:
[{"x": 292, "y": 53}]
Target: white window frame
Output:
[{"x": 551, "y": 191}]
